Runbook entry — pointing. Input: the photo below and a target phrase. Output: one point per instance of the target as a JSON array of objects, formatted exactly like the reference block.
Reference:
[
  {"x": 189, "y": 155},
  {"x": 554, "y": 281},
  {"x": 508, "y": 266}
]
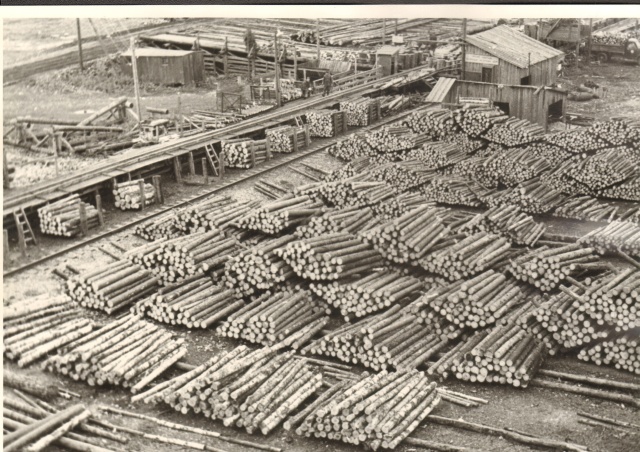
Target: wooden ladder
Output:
[
  {"x": 25, "y": 233},
  {"x": 214, "y": 160},
  {"x": 299, "y": 122}
]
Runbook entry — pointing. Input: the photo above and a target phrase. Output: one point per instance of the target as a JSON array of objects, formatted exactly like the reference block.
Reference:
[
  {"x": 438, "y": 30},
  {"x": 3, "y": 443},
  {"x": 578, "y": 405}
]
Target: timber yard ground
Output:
[{"x": 545, "y": 412}]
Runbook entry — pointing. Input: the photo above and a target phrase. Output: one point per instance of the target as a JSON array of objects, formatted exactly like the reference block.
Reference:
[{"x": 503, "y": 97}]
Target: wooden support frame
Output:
[
  {"x": 99, "y": 209},
  {"x": 205, "y": 173},
  {"x": 158, "y": 189},
  {"x": 84, "y": 227},
  {"x": 192, "y": 164},
  {"x": 177, "y": 169}
]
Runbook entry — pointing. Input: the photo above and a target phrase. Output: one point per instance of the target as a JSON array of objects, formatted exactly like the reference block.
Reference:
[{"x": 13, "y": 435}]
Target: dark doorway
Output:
[
  {"x": 504, "y": 106},
  {"x": 525, "y": 80},
  {"x": 487, "y": 74}
]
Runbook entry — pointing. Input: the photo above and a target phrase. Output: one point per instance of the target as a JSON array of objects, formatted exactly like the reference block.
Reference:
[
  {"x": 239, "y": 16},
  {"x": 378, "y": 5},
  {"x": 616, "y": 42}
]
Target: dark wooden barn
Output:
[
  {"x": 167, "y": 67},
  {"x": 506, "y": 56}
]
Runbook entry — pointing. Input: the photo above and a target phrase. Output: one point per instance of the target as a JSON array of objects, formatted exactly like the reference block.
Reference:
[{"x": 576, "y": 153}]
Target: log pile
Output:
[
  {"x": 355, "y": 191},
  {"x": 349, "y": 219},
  {"x": 216, "y": 213},
  {"x": 514, "y": 132},
  {"x": 621, "y": 351},
  {"x": 475, "y": 122},
  {"x": 243, "y": 153},
  {"x": 286, "y": 139},
  {"x": 326, "y": 123},
  {"x": 163, "y": 227},
  {"x": 368, "y": 293},
  {"x": 399, "y": 205},
  {"x": 361, "y": 111},
  {"x": 329, "y": 257},
  {"x": 465, "y": 258},
  {"x": 437, "y": 123},
  {"x": 602, "y": 170},
  {"x": 508, "y": 221},
  {"x": 354, "y": 146},
  {"x": 354, "y": 167},
  {"x": 628, "y": 190},
  {"x": 550, "y": 152},
  {"x": 546, "y": 268},
  {"x": 379, "y": 410},
  {"x": 391, "y": 139},
  {"x": 128, "y": 195},
  {"x": 129, "y": 352},
  {"x": 111, "y": 287},
  {"x": 513, "y": 166},
  {"x": 281, "y": 214},
  {"x": 402, "y": 175},
  {"x": 438, "y": 154},
  {"x": 258, "y": 268},
  {"x": 63, "y": 218},
  {"x": 251, "y": 389},
  {"x": 194, "y": 303},
  {"x": 38, "y": 326},
  {"x": 271, "y": 318},
  {"x": 612, "y": 39},
  {"x": 586, "y": 208},
  {"x": 533, "y": 196},
  {"x": 452, "y": 190},
  {"x": 616, "y": 236}
]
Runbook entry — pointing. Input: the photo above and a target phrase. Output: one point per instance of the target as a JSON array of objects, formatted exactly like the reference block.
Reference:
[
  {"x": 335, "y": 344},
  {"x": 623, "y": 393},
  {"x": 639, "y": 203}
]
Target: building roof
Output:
[
  {"x": 154, "y": 52},
  {"x": 388, "y": 50},
  {"x": 512, "y": 46},
  {"x": 440, "y": 91}
]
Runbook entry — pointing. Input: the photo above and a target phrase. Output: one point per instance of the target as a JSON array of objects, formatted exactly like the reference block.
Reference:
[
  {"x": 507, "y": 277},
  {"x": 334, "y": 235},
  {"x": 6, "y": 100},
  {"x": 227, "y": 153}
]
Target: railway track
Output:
[{"x": 233, "y": 180}]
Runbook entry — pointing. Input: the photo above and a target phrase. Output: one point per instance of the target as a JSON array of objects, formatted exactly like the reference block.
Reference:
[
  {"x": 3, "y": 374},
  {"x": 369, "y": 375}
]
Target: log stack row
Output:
[
  {"x": 242, "y": 153},
  {"x": 284, "y": 213},
  {"x": 438, "y": 123},
  {"x": 361, "y": 112},
  {"x": 476, "y": 121},
  {"x": 355, "y": 191},
  {"x": 327, "y": 123},
  {"x": 352, "y": 147},
  {"x": 586, "y": 208},
  {"x": 287, "y": 139},
  {"x": 216, "y": 213},
  {"x": 533, "y": 196},
  {"x": 400, "y": 205},
  {"x": 513, "y": 166},
  {"x": 63, "y": 218},
  {"x": 351, "y": 220},
  {"x": 514, "y": 132},
  {"x": 621, "y": 351},
  {"x": 164, "y": 227},
  {"x": 616, "y": 236},
  {"x": 438, "y": 154},
  {"x": 391, "y": 139},
  {"x": 402, "y": 175},
  {"x": 508, "y": 221},
  {"x": 129, "y": 196},
  {"x": 452, "y": 190}
]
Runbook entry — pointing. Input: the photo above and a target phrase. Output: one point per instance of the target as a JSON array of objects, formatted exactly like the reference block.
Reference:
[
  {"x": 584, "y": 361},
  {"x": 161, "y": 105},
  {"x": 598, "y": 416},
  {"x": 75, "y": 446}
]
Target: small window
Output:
[
  {"x": 525, "y": 80},
  {"x": 165, "y": 61},
  {"x": 504, "y": 106}
]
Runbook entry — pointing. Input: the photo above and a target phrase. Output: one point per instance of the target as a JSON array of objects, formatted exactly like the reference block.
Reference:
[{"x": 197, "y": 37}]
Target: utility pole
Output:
[
  {"x": 589, "y": 43},
  {"x": 275, "y": 47},
  {"x": 136, "y": 82},
  {"x": 539, "y": 30},
  {"x": 318, "y": 40},
  {"x": 384, "y": 30},
  {"x": 578, "y": 44},
  {"x": 464, "y": 48},
  {"x": 79, "y": 45}
]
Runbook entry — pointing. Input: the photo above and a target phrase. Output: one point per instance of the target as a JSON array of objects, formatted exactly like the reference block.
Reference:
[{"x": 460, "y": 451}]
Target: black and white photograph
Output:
[{"x": 321, "y": 228}]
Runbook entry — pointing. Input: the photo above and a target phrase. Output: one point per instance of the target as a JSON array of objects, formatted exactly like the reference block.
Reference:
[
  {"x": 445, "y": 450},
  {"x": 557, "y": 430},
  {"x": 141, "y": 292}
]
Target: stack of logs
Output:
[
  {"x": 508, "y": 221},
  {"x": 586, "y": 208},
  {"x": 348, "y": 219},
  {"x": 476, "y": 121},
  {"x": 287, "y": 139},
  {"x": 135, "y": 194},
  {"x": 450, "y": 190},
  {"x": 438, "y": 123},
  {"x": 163, "y": 227},
  {"x": 213, "y": 213},
  {"x": 112, "y": 287},
  {"x": 616, "y": 236},
  {"x": 532, "y": 196},
  {"x": 361, "y": 112},
  {"x": 243, "y": 153},
  {"x": 64, "y": 217},
  {"x": 326, "y": 123},
  {"x": 399, "y": 205},
  {"x": 352, "y": 147},
  {"x": 284, "y": 213},
  {"x": 622, "y": 351}
]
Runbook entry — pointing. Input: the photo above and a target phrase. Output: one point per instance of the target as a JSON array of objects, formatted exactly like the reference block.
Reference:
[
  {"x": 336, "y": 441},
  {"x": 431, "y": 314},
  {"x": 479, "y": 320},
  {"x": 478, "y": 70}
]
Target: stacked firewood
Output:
[
  {"x": 410, "y": 237},
  {"x": 622, "y": 351},
  {"x": 196, "y": 302},
  {"x": 532, "y": 196},
  {"x": 163, "y": 227},
  {"x": 272, "y": 318},
  {"x": 378, "y": 410},
  {"x": 63, "y": 218},
  {"x": 213, "y": 213},
  {"x": 348, "y": 219},
  {"x": 368, "y": 293},
  {"x": 330, "y": 257},
  {"x": 399, "y": 205},
  {"x": 452, "y": 190},
  {"x": 353, "y": 146},
  {"x": 112, "y": 287},
  {"x": 289, "y": 91},
  {"x": 286, "y": 139},
  {"x": 438, "y": 123},
  {"x": 361, "y": 111},
  {"x": 616, "y": 236},
  {"x": 508, "y": 221},
  {"x": 467, "y": 257},
  {"x": 326, "y": 123},
  {"x": 243, "y": 153},
  {"x": 514, "y": 132},
  {"x": 476, "y": 122},
  {"x": 586, "y": 208},
  {"x": 614, "y": 39},
  {"x": 38, "y": 326},
  {"x": 546, "y": 267},
  {"x": 513, "y": 166},
  {"x": 129, "y": 352},
  {"x": 183, "y": 257},
  {"x": 129, "y": 196},
  {"x": 243, "y": 388},
  {"x": 258, "y": 268},
  {"x": 284, "y": 213}
]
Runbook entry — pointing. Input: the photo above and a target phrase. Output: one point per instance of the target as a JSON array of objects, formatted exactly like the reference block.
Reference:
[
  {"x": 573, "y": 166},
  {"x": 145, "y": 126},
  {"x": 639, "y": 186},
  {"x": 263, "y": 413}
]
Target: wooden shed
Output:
[
  {"x": 167, "y": 67},
  {"x": 533, "y": 103},
  {"x": 387, "y": 57},
  {"x": 506, "y": 56}
]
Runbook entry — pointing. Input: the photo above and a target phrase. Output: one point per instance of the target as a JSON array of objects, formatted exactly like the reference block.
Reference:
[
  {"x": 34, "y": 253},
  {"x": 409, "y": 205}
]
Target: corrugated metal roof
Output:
[
  {"x": 154, "y": 52},
  {"x": 512, "y": 46},
  {"x": 439, "y": 92}
]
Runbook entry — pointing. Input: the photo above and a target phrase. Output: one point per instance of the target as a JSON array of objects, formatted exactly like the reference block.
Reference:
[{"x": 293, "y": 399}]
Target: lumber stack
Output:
[
  {"x": 284, "y": 213},
  {"x": 361, "y": 112},
  {"x": 474, "y": 254},
  {"x": 546, "y": 268},
  {"x": 437, "y": 123},
  {"x": 513, "y": 166},
  {"x": 330, "y": 257},
  {"x": 586, "y": 208},
  {"x": 259, "y": 267},
  {"x": 621, "y": 351},
  {"x": 399, "y": 205},
  {"x": 326, "y": 123},
  {"x": 454, "y": 190},
  {"x": 111, "y": 287},
  {"x": 380, "y": 410},
  {"x": 163, "y": 227},
  {"x": 216, "y": 213},
  {"x": 616, "y": 236},
  {"x": 129, "y": 196},
  {"x": 63, "y": 218},
  {"x": 602, "y": 170},
  {"x": 508, "y": 221},
  {"x": 348, "y": 219},
  {"x": 287, "y": 139},
  {"x": 476, "y": 122},
  {"x": 367, "y": 293},
  {"x": 514, "y": 132},
  {"x": 38, "y": 326},
  {"x": 352, "y": 147},
  {"x": 410, "y": 237},
  {"x": 243, "y": 153},
  {"x": 129, "y": 352},
  {"x": 243, "y": 388},
  {"x": 196, "y": 302},
  {"x": 273, "y": 318}
]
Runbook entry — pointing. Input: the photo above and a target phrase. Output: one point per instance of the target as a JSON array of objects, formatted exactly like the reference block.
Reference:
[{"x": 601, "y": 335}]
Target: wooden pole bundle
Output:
[
  {"x": 399, "y": 205},
  {"x": 273, "y": 318},
  {"x": 287, "y": 139},
  {"x": 326, "y": 123},
  {"x": 330, "y": 257},
  {"x": 602, "y": 170},
  {"x": 586, "y": 208},
  {"x": 355, "y": 191},
  {"x": 616, "y": 236},
  {"x": 353, "y": 146},
  {"x": 258, "y": 268},
  {"x": 546, "y": 267},
  {"x": 243, "y": 153},
  {"x": 621, "y": 351},
  {"x": 403, "y": 175},
  {"x": 361, "y": 112},
  {"x": 470, "y": 256},
  {"x": 394, "y": 139},
  {"x": 507, "y": 221},
  {"x": 437, "y": 122},
  {"x": 436, "y": 155},
  {"x": 533, "y": 196},
  {"x": 64, "y": 217},
  {"x": 163, "y": 227},
  {"x": 251, "y": 389},
  {"x": 514, "y": 132},
  {"x": 350, "y": 169},
  {"x": 111, "y": 287},
  {"x": 548, "y": 151},
  {"x": 283, "y": 213},
  {"x": 379, "y": 410},
  {"x": 129, "y": 352},
  {"x": 513, "y": 166},
  {"x": 450, "y": 190},
  {"x": 216, "y": 213},
  {"x": 348, "y": 219},
  {"x": 477, "y": 121},
  {"x": 369, "y": 293},
  {"x": 133, "y": 195},
  {"x": 195, "y": 303},
  {"x": 628, "y": 190}
]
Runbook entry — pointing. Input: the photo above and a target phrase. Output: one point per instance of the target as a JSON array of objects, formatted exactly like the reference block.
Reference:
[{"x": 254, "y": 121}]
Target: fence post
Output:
[
  {"x": 177, "y": 170},
  {"x": 143, "y": 200},
  {"x": 205, "y": 174},
  {"x": 99, "y": 209},
  {"x": 192, "y": 165},
  {"x": 156, "y": 185},
  {"x": 83, "y": 219},
  {"x": 253, "y": 155}
]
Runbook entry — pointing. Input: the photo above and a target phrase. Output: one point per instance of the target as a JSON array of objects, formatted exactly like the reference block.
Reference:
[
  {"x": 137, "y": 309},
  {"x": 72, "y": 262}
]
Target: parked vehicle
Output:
[{"x": 628, "y": 51}]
